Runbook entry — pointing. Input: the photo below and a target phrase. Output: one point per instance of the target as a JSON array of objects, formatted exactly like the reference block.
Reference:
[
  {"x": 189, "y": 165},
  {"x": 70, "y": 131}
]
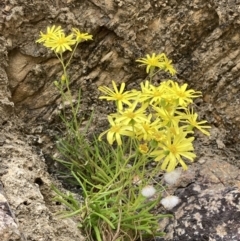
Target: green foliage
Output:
[
  {"x": 113, "y": 207},
  {"x": 119, "y": 199}
]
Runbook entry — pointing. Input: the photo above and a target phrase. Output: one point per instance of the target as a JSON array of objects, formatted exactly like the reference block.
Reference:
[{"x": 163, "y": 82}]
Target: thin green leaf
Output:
[{"x": 104, "y": 218}]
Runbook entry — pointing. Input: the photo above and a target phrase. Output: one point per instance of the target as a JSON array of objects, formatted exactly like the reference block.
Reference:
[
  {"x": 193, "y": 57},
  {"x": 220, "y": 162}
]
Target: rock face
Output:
[
  {"x": 27, "y": 211},
  {"x": 200, "y": 36},
  {"x": 208, "y": 214},
  {"x": 210, "y": 203}
]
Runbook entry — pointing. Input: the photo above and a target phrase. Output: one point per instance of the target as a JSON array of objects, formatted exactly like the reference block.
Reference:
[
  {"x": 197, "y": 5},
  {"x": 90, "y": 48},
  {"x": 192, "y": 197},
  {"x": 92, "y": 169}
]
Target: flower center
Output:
[
  {"x": 118, "y": 96},
  {"x": 153, "y": 62},
  {"x": 173, "y": 149},
  {"x": 146, "y": 127},
  {"x": 61, "y": 41},
  {"x": 130, "y": 115},
  {"x": 115, "y": 129},
  {"x": 181, "y": 94},
  {"x": 157, "y": 93},
  {"x": 143, "y": 148},
  {"x": 159, "y": 136}
]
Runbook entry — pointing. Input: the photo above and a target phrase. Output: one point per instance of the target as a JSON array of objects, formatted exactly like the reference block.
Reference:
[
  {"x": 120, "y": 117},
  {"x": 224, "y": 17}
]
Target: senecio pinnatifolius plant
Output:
[
  {"x": 117, "y": 187},
  {"x": 159, "y": 118}
]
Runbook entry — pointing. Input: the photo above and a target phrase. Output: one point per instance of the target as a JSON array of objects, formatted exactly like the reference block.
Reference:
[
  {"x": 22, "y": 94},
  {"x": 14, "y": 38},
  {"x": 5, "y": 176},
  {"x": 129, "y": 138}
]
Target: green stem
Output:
[
  {"x": 69, "y": 96},
  {"x": 72, "y": 53}
]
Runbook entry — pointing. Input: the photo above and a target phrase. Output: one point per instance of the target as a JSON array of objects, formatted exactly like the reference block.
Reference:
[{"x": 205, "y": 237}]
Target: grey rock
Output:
[{"x": 210, "y": 204}]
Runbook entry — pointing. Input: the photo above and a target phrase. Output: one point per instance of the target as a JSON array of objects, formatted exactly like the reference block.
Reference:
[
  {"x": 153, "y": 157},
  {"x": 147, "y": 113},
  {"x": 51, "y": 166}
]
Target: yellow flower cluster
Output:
[
  {"x": 160, "y": 118},
  {"x": 56, "y": 40}
]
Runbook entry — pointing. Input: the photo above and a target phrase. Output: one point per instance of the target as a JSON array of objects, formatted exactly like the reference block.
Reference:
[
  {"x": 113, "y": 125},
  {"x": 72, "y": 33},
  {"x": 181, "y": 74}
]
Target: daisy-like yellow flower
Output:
[
  {"x": 59, "y": 43},
  {"x": 173, "y": 149},
  {"x": 119, "y": 96},
  {"x": 51, "y": 32},
  {"x": 80, "y": 37},
  {"x": 132, "y": 115},
  {"x": 168, "y": 67},
  {"x": 153, "y": 94},
  {"x": 152, "y": 61},
  {"x": 160, "y": 61},
  {"x": 191, "y": 120},
  {"x": 183, "y": 95},
  {"x": 145, "y": 130},
  {"x": 168, "y": 117},
  {"x": 159, "y": 136},
  {"x": 115, "y": 132}
]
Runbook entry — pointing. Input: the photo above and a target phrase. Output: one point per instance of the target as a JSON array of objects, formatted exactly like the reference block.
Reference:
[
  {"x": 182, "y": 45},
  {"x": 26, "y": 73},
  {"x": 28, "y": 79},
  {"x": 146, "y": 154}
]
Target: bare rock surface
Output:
[
  {"x": 210, "y": 203},
  {"x": 201, "y": 36},
  {"x": 27, "y": 211}
]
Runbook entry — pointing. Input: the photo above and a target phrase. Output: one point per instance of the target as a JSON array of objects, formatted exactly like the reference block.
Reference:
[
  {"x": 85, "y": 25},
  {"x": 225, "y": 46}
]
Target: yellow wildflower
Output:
[
  {"x": 119, "y": 96},
  {"x": 159, "y": 136},
  {"x": 80, "y": 37},
  {"x": 173, "y": 149},
  {"x": 51, "y": 32},
  {"x": 115, "y": 132},
  {"x": 151, "y": 61},
  {"x": 191, "y": 119},
  {"x": 132, "y": 115},
  {"x": 60, "y": 43},
  {"x": 145, "y": 130},
  {"x": 167, "y": 66},
  {"x": 168, "y": 116},
  {"x": 184, "y": 96},
  {"x": 143, "y": 148},
  {"x": 152, "y": 93},
  {"x": 160, "y": 61}
]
